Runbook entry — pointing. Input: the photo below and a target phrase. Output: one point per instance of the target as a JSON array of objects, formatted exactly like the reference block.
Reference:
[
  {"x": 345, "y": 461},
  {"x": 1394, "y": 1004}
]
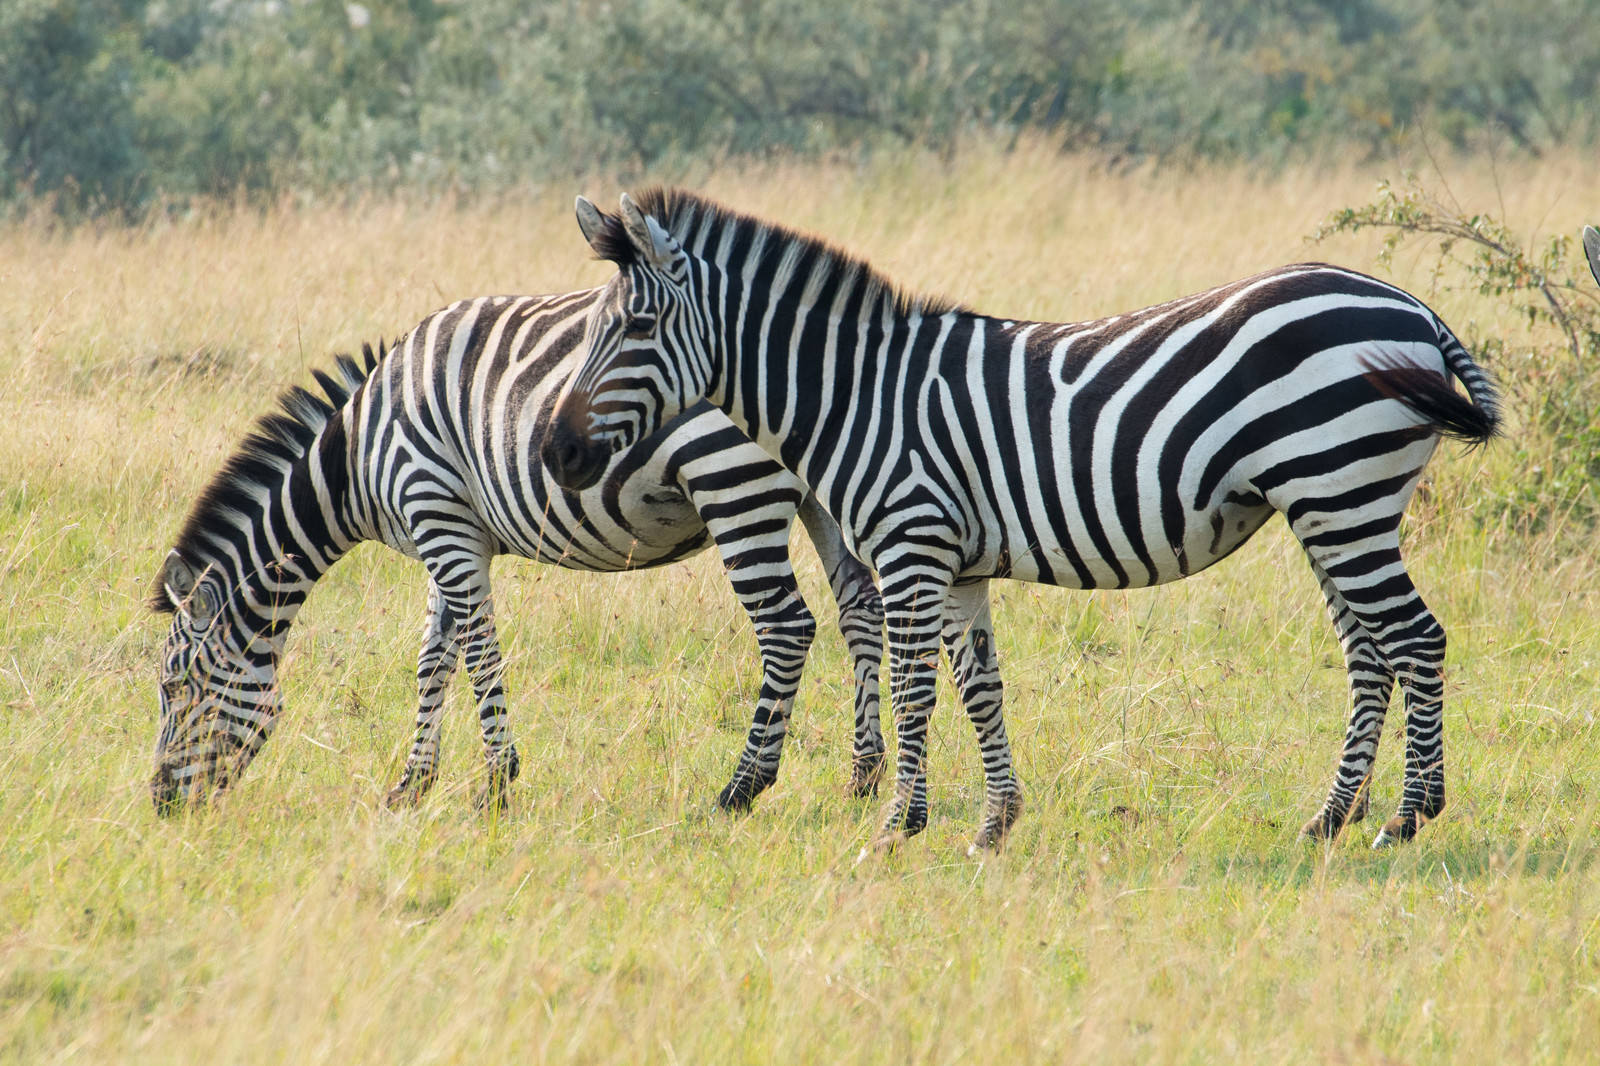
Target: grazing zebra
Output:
[
  {"x": 432, "y": 449},
  {"x": 954, "y": 448}
]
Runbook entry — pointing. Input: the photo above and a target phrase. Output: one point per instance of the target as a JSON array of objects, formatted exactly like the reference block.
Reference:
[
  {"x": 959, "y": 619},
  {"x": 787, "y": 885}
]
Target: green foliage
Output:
[
  {"x": 1556, "y": 387},
  {"x": 66, "y": 73},
  {"x": 110, "y": 103}
]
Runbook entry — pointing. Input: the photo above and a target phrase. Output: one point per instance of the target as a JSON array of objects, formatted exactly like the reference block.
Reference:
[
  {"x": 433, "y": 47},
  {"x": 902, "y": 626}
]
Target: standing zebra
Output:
[
  {"x": 954, "y": 448},
  {"x": 432, "y": 449}
]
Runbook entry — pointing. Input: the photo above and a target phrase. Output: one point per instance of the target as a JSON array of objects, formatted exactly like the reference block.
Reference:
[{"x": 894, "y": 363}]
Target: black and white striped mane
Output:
[
  {"x": 701, "y": 224},
  {"x": 277, "y": 441}
]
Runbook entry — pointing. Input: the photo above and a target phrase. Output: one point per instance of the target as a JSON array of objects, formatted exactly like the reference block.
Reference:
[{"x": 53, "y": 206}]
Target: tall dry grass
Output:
[{"x": 1153, "y": 905}]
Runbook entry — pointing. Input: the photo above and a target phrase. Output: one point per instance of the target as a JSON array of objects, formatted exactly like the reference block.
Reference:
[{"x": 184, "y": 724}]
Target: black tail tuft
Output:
[{"x": 1434, "y": 398}]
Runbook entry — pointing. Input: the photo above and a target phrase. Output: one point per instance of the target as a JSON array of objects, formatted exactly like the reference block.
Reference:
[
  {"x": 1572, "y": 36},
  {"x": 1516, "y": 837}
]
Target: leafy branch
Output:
[{"x": 1499, "y": 264}]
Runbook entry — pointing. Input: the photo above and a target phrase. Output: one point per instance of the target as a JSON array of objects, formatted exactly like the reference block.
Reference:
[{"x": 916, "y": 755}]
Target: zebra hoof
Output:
[
  {"x": 504, "y": 767},
  {"x": 866, "y": 771},
  {"x": 885, "y": 842},
  {"x": 996, "y": 824},
  {"x": 740, "y": 794},
  {"x": 900, "y": 825},
  {"x": 1324, "y": 827},
  {"x": 495, "y": 799},
  {"x": 492, "y": 801},
  {"x": 1329, "y": 821},
  {"x": 403, "y": 797},
  {"x": 1397, "y": 830}
]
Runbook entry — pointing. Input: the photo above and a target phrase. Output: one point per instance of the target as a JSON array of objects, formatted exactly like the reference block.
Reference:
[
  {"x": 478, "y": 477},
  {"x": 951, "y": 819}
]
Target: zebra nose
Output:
[
  {"x": 571, "y": 461},
  {"x": 563, "y": 456},
  {"x": 164, "y": 793}
]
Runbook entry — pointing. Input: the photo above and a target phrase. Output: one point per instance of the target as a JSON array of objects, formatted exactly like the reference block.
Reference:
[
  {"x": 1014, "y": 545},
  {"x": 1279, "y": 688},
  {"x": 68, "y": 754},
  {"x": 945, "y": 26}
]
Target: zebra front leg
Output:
[
  {"x": 915, "y": 612},
  {"x": 861, "y": 623},
  {"x": 436, "y": 662},
  {"x": 462, "y": 578},
  {"x": 969, "y": 642},
  {"x": 1371, "y": 684},
  {"x": 480, "y": 647},
  {"x": 784, "y": 631}
]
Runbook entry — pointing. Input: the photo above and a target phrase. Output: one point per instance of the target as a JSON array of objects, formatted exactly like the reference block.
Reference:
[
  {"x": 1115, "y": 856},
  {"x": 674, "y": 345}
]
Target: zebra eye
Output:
[{"x": 638, "y": 327}]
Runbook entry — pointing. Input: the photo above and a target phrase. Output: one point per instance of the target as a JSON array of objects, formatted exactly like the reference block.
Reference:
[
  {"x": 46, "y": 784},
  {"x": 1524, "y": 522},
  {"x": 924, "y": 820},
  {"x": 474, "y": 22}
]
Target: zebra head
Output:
[
  {"x": 218, "y": 702},
  {"x": 648, "y": 347}
]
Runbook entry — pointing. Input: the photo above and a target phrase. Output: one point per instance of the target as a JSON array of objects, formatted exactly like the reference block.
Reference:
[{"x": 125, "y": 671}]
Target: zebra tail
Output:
[{"x": 1473, "y": 419}]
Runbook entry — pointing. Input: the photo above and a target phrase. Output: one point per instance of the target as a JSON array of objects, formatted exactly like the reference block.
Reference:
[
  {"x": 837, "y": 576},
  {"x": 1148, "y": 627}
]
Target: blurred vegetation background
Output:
[{"x": 115, "y": 106}]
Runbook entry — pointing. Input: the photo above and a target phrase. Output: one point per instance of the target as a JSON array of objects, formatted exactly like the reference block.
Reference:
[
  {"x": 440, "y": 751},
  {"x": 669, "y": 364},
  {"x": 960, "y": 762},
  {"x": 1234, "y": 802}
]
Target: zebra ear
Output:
[
  {"x": 590, "y": 220},
  {"x": 1591, "y": 248},
  {"x": 655, "y": 246},
  {"x": 182, "y": 584}
]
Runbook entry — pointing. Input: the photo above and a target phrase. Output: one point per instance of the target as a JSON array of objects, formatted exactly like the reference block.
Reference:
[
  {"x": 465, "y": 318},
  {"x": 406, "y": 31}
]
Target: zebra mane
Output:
[
  {"x": 268, "y": 452},
  {"x": 700, "y": 223}
]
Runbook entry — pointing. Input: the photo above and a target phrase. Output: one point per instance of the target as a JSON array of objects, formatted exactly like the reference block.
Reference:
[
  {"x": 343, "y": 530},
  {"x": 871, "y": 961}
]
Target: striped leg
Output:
[
  {"x": 969, "y": 642},
  {"x": 1370, "y": 576},
  {"x": 784, "y": 630},
  {"x": 861, "y": 623},
  {"x": 435, "y": 665},
  {"x": 463, "y": 583},
  {"x": 1371, "y": 684},
  {"x": 1415, "y": 644},
  {"x": 914, "y": 603}
]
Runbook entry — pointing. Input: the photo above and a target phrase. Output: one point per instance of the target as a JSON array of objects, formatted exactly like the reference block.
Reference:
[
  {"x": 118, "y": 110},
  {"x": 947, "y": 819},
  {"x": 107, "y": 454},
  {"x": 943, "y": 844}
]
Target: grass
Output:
[{"x": 1153, "y": 905}]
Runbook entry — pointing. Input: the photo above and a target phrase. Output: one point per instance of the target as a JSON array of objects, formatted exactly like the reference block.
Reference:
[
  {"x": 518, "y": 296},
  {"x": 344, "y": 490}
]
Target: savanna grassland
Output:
[{"x": 1153, "y": 904}]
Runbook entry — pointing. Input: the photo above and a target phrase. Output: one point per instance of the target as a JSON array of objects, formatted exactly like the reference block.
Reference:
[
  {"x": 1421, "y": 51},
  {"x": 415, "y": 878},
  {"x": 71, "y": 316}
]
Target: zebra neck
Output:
[
  {"x": 271, "y": 553},
  {"x": 816, "y": 388}
]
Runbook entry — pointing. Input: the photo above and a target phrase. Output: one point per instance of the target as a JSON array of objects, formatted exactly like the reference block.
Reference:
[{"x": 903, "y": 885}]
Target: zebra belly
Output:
[
  {"x": 601, "y": 529},
  {"x": 1112, "y": 560}
]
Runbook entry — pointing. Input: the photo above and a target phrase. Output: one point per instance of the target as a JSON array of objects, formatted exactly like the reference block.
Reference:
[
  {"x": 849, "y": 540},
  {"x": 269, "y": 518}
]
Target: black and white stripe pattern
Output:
[
  {"x": 433, "y": 449},
  {"x": 954, "y": 448}
]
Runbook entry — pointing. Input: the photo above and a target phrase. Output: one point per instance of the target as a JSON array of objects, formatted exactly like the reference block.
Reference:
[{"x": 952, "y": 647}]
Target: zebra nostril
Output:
[{"x": 561, "y": 454}]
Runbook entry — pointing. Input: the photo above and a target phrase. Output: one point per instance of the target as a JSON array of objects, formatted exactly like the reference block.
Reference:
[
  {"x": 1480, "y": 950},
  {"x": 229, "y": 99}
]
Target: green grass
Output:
[{"x": 1152, "y": 905}]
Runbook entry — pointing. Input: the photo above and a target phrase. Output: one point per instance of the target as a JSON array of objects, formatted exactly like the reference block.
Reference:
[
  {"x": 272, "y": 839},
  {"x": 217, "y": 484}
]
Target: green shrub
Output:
[{"x": 1556, "y": 389}]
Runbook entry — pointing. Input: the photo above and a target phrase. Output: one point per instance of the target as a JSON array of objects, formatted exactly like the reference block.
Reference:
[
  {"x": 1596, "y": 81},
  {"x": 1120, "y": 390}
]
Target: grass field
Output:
[{"x": 1153, "y": 905}]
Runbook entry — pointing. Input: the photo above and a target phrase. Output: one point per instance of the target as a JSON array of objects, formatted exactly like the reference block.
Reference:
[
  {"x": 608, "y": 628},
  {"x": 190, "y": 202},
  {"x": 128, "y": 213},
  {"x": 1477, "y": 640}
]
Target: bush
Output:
[
  {"x": 1557, "y": 387},
  {"x": 111, "y": 103}
]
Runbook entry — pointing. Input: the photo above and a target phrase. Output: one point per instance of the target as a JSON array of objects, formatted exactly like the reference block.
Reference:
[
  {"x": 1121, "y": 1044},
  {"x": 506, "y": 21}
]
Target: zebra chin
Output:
[
  {"x": 574, "y": 462},
  {"x": 171, "y": 795}
]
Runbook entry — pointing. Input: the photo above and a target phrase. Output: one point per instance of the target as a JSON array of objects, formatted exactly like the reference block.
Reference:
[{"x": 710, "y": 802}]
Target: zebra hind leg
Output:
[
  {"x": 861, "y": 624},
  {"x": 436, "y": 662},
  {"x": 1371, "y": 577},
  {"x": 969, "y": 642},
  {"x": 1419, "y": 654},
  {"x": 1371, "y": 684}
]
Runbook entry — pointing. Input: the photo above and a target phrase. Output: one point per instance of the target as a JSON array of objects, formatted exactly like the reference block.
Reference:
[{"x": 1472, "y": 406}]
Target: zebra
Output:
[
  {"x": 430, "y": 447},
  {"x": 955, "y": 448},
  {"x": 1591, "y": 250}
]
